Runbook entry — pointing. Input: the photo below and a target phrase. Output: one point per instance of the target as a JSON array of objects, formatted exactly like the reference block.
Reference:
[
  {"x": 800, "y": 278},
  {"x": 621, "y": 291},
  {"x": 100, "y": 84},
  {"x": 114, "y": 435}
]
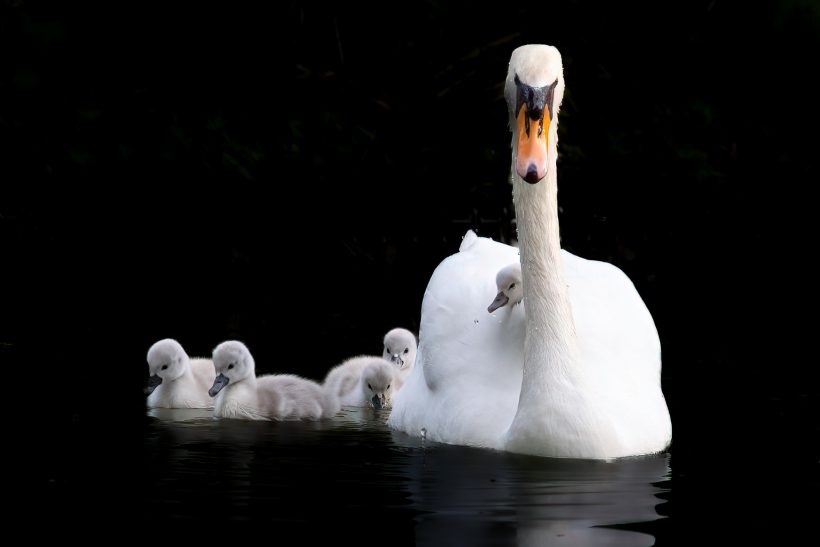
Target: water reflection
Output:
[
  {"x": 487, "y": 496},
  {"x": 330, "y": 478}
]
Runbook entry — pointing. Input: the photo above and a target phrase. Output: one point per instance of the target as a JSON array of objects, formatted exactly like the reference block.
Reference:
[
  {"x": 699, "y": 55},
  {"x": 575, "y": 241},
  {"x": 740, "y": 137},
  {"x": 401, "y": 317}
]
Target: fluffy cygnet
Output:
[
  {"x": 510, "y": 287},
  {"x": 241, "y": 394},
  {"x": 365, "y": 380},
  {"x": 175, "y": 380},
  {"x": 400, "y": 349}
]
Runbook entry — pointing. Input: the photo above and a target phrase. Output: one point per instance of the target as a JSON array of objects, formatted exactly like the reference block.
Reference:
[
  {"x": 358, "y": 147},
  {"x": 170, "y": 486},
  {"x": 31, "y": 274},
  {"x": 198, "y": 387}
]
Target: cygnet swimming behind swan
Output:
[
  {"x": 176, "y": 380},
  {"x": 365, "y": 380},
  {"x": 241, "y": 394},
  {"x": 400, "y": 349}
]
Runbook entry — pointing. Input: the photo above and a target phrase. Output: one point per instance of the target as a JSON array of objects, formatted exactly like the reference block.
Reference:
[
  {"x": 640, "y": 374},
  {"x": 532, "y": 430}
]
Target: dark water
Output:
[
  {"x": 354, "y": 479},
  {"x": 184, "y": 475},
  {"x": 356, "y": 474}
]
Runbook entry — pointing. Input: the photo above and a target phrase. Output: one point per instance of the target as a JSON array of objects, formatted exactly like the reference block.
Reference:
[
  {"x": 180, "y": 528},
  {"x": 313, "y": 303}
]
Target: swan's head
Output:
[
  {"x": 167, "y": 361},
  {"x": 510, "y": 287},
  {"x": 378, "y": 381},
  {"x": 233, "y": 363},
  {"x": 534, "y": 89},
  {"x": 400, "y": 348}
]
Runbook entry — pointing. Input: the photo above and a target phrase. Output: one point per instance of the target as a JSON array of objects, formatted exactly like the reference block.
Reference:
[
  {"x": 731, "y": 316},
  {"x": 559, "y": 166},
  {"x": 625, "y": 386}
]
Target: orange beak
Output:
[{"x": 531, "y": 146}]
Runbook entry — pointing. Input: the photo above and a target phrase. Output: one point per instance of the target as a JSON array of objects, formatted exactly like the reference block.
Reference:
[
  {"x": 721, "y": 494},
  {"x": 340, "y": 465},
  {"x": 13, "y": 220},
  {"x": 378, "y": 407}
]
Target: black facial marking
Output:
[{"x": 536, "y": 99}]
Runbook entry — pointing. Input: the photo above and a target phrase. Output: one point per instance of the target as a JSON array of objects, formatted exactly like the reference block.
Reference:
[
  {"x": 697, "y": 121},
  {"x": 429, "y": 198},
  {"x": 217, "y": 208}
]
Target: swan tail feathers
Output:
[{"x": 468, "y": 240}]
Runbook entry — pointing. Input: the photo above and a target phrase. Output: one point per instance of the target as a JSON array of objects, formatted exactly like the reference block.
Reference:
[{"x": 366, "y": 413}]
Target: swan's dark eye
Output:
[
  {"x": 164, "y": 367},
  {"x": 369, "y": 387},
  {"x": 230, "y": 366},
  {"x": 512, "y": 286},
  {"x": 406, "y": 350}
]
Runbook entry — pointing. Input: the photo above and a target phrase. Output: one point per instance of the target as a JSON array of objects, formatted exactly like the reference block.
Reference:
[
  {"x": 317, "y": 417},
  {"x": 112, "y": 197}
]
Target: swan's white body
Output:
[
  {"x": 363, "y": 381},
  {"x": 185, "y": 381},
  {"x": 586, "y": 381},
  {"x": 241, "y": 394},
  {"x": 400, "y": 348}
]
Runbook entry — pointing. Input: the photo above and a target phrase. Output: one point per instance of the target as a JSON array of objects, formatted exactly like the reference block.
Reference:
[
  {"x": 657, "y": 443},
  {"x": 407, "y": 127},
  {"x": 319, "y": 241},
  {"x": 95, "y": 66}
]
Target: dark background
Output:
[{"x": 291, "y": 176}]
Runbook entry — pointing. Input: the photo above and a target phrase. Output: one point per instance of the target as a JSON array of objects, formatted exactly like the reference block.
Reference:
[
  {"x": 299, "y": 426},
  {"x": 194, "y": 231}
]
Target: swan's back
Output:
[
  {"x": 464, "y": 387},
  {"x": 454, "y": 312},
  {"x": 619, "y": 344}
]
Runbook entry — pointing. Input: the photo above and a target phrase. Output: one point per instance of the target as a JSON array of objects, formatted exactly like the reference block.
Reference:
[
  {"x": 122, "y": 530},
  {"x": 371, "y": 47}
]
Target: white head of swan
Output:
[
  {"x": 510, "y": 287},
  {"x": 587, "y": 382},
  {"x": 176, "y": 380},
  {"x": 400, "y": 348}
]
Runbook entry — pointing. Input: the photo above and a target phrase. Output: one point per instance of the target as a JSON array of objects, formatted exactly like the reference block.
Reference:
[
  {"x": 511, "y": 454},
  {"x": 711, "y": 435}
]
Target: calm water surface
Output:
[{"x": 353, "y": 478}]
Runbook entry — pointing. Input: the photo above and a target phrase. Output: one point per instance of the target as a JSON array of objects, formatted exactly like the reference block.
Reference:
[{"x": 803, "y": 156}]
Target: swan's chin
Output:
[{"x": 532, "y": 174}]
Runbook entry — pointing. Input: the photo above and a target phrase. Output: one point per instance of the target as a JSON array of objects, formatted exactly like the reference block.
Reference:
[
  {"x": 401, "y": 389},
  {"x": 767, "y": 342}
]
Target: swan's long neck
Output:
[
  {"x": 551, "y": 346},
  {"x": 554, "y": 416}
]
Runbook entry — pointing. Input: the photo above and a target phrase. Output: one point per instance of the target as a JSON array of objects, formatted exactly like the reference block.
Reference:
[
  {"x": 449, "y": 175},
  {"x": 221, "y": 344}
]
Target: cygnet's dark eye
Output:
[
  {"x": 230, "y": 366},
  {"x": 388, "y": 387},
  {"x": 164, "y": 367},
  {"x": 512, "y": 286},
  {"x": 388, "y": 350},
  {"x": 369, "y": 387},
  {"x": 406, "y": 350}
]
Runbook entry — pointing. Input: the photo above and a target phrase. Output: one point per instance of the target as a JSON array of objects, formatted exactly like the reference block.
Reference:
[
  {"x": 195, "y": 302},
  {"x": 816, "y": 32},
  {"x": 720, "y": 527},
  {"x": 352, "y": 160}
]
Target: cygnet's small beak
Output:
[
  {"x": 378, "y": 401},
  {"x": 500, "y": 301},
  {"x": 151, "y": 385},
  {"x": 397, "y": 360},
  {"x": 219, "y": 382}
]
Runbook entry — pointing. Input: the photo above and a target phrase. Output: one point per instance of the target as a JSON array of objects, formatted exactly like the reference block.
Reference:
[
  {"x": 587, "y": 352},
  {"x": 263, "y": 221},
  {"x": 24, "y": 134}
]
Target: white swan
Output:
[
  {"x": 175, "y": 380},
  {"x": 510, "y": 287},
  {"x": 363, "y": 381},
  {"x": 586, "y": 383},
  {"x": 400, "y": 348},
  {"x": 241, "y": 394}
]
